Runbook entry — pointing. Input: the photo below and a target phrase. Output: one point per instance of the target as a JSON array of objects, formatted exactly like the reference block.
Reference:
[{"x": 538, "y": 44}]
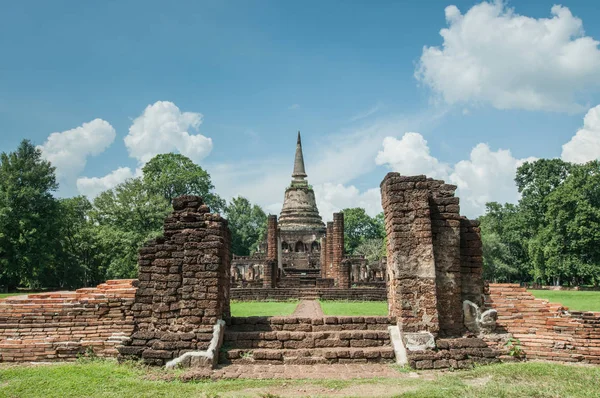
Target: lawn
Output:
[
  {"x": 352, "y": 308},
  {"x": 262, "y": 308},
  {"x": 5, "y": 295},
  {"x": 574, "y": 299},
  {"x": 108, "y": 379}
]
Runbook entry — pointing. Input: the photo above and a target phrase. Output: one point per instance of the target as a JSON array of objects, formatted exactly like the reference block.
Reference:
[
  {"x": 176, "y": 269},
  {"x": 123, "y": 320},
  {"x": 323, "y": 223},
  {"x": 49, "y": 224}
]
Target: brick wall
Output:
[
  {"x": 183, "y": 284},
  {"x": 546, "y": 330},
  {"x": 355, "y": 294},
  {"x": 63, "y": 325},
  {"x": 323, "y": 257},
  {"x": 411, "y": 268},
  {"x": 471, "y": 261}
]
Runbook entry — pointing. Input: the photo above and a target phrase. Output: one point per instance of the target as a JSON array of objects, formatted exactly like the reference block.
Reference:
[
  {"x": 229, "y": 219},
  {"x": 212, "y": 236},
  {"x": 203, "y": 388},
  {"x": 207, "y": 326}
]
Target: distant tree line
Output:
[
  {"x": 46, "y": 242},
  {"x": 552, "y": 236}
]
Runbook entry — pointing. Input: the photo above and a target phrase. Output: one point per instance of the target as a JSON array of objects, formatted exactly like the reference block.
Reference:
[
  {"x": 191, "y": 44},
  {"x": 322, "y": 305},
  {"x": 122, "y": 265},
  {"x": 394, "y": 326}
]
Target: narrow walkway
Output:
[{"x": 308, "y": 309}]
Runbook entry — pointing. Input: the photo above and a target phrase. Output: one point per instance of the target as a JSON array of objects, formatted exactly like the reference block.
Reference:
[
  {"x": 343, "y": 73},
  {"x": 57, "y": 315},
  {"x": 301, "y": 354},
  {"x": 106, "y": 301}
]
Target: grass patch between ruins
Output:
[
  {"x": 108, "y": 379},
  {"x": 573, "y": 299},
  {"x": 262, "y": 308},
  {"x": 354, "y": 308},
  {"x": 5, "y": 295}
]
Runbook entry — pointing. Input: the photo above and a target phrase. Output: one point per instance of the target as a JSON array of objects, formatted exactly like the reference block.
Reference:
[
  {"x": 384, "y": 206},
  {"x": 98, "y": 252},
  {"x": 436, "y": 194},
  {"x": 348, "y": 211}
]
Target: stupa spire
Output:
[{"x": 299, "y": 173}]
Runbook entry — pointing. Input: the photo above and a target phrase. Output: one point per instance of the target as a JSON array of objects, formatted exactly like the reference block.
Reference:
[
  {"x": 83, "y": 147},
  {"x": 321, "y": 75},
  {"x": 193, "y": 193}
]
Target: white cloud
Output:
[
  {"x": 68, "y": 151},
  {"x": 585, "y": 144},
  {"x": 492, "y": 55},
  {"x": 92, "y": 187},
  {"x": 485, "y": 177},
  {"x": 335, "y": 197},
  {"x": 163, "y": 128},
  {"x": 410, "y": 156}
]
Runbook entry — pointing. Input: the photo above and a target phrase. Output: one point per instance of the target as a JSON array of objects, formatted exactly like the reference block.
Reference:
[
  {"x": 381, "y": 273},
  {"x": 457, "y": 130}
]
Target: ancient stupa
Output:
[{"x": 299, "y": 220}]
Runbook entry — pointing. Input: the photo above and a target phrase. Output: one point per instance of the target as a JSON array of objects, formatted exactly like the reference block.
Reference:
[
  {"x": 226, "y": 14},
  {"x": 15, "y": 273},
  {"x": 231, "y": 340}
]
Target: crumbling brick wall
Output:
[
  {"x": 183, "y": 284},
  {"x": 63, "y": 325},
  {"x": 545, "y": 330},
  {"x": 433, "y": 255}
]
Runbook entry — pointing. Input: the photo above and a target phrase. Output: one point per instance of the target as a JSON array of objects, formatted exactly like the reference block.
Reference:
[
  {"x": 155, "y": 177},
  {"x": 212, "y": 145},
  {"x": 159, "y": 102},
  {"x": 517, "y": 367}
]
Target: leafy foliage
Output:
[
  {"x": 359, "y": 227},
  {"x": 28, "y": 217},
  {"x": 248, "y": 225},
  {"x": 170, "y": 175},
  {"x": 553, "y": 234}
]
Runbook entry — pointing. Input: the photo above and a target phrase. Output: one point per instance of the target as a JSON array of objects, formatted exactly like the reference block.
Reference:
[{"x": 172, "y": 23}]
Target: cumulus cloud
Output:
[
  {"x": 335, "y": 197},
  {"x": 585, "y": 144},
  {"x": 410, "y": 156},
  {"x": 486, "y": 176},
  {"x": 492, "y": 55},
  {"x": 68, "y": 151},
  {"x": 163, "y": 128},
  {"x": 93, "y": 186}
]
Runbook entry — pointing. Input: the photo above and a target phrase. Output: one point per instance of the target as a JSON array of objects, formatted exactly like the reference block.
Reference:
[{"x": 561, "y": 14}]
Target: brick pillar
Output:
[
  {"x": 471, "y": 267},
  {"x": 270, "y": 277},
  {"x": 445, "y": 222},
  {"x": 272, "y": 237},
  {"x": 323, "y": 258},
  {"x": 329, "y": 263},
  {"x": 410, "y": 259},
  {"x": 338, "y": 245},
  {"x": 184, "y": 279},
  {"x": 345, "y": 271},
  {"x": 270, "y": 274}
]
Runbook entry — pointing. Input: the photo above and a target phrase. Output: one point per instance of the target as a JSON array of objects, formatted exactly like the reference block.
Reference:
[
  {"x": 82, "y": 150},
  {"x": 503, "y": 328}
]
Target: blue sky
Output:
[{"x": 354, "y": 77}]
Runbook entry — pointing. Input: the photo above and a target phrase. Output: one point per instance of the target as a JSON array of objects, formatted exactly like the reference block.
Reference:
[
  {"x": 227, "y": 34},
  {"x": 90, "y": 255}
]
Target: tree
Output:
[
  {"x": 248, "y": 225},
  {"x": 372, "y": 249},
  {"x": 359, "y": 226},
  {"x": 171, "y": 175},
  {"x": 125, "y": 217},
  {"x": 504, "y": 243},
  {"x": 571, "y": 232},
  {"x": 28, "y": 215},
  {"x": 79, "y": 262}
]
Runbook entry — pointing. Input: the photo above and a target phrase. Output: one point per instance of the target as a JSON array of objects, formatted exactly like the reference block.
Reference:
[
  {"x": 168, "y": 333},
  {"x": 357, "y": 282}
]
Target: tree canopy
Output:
[{"x": 248, "y": 225}]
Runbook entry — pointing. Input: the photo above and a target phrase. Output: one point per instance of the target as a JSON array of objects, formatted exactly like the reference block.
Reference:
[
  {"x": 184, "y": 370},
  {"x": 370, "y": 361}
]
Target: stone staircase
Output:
[
  {"x": 299, "y": 278},
  {"x": 306, "y": 341}
]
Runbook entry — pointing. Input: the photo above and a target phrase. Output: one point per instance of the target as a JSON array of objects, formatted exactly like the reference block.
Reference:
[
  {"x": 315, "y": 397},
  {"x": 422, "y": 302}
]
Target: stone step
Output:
[
  {"x": 303, "y": 327},
  {"x": 308, "y": 356},
  {"x": 304, "y": 340}
]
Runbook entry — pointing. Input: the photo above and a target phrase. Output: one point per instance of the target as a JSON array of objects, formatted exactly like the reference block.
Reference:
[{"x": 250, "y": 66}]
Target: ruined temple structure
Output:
[{"x": 304, "y": 251}]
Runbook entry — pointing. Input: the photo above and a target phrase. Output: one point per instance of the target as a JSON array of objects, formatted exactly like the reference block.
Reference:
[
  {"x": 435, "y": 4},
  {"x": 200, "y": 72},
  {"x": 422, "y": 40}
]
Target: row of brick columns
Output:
[
  {"x": 270, "y": 271},
  {"x": 333, "y": 264}
]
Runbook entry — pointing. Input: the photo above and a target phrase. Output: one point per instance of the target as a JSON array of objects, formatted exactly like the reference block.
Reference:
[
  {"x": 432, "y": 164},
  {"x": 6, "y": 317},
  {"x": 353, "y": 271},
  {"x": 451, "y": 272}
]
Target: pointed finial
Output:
[{"x": 299, "y": 173}]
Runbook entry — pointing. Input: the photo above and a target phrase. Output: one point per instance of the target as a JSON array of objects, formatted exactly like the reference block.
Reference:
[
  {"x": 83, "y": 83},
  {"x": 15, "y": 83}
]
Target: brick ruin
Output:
[
  {"x": 441, "y": 313},
  {"x": 183, "y": 287},
  {"x": 307, "y": 253}
]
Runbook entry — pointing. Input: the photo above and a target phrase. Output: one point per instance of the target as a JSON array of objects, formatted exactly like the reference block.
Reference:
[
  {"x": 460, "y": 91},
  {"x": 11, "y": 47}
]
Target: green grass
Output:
[
  {"x": 262, "y": 308},
  {"x": 107, "y": 379},
  {"x": 574, "y": 299},
  {"x": 352, "y": 308},
  {"x": 5, "y": 295}
]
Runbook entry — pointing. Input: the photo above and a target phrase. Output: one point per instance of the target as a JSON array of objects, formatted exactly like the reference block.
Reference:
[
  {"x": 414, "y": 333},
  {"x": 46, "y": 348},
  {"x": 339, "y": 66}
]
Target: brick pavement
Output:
[{"x": 308, "y": 309}]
